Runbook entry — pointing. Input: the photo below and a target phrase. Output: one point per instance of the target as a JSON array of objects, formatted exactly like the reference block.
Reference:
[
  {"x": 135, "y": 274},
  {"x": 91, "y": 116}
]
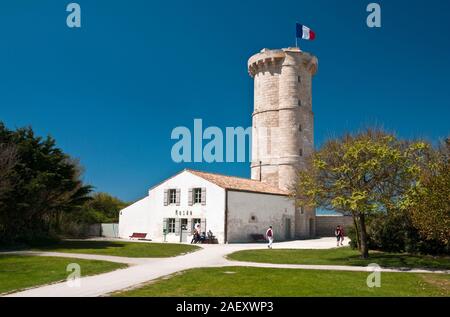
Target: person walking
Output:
[
  {"x": 342, "y": 235},
  {"x": 337, "y": 233},
  {"x": 269, "y": 235}
]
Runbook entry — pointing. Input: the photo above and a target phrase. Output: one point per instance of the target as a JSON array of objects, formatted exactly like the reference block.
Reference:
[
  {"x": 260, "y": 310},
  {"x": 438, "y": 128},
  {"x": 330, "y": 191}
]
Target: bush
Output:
[
  {"x": 351, "y": 234},
  {"x": 396, "y": 233}
]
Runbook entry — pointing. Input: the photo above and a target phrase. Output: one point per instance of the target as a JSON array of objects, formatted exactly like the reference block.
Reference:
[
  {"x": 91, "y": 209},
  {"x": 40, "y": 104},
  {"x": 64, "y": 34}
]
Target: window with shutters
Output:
[
  {"x": 172, "y": 196},
  {"x": 171, "y": 225},
  {"x": 197, "y": 195}
]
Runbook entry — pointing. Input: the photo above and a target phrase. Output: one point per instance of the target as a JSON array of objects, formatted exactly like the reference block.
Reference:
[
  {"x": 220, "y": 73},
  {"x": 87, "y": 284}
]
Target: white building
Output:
[{"x": 235, "y": 208}]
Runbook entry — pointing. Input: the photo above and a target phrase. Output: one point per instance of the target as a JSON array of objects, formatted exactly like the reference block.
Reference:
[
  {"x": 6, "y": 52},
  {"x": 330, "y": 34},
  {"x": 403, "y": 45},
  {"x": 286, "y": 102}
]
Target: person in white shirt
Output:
[{"x": 269, "y": 236}]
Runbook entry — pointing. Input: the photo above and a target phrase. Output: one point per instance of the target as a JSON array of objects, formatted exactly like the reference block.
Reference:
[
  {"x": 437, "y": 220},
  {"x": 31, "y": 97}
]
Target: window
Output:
[
  {"x": 300, "y": 127},
  {"x": 172, "y": 196},
  {"x": 300, "y": 152},
  {"x": 197, "y": 195},
  {"x": 184, "y": 224},
  {"x": 171, "y": 226},
  {"x": 299, "y": 103},
  {"x": 299, "y": 79}
]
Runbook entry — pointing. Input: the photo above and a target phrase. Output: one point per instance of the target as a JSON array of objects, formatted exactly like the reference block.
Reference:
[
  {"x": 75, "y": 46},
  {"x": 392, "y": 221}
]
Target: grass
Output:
[
  {"x": 118, "y": 248},
  {"x": 341, "y": 256},
  {"x": 20, "y": 272},
  {"x": 271, "y": 282}
]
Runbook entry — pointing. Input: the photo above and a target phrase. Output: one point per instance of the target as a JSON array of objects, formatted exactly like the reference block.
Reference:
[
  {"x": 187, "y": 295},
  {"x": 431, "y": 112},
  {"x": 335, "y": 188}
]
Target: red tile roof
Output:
[{"x": 238, "y": 183}]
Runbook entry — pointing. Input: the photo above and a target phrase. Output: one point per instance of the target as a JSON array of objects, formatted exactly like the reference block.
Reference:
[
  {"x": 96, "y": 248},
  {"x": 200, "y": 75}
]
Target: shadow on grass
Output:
[{"x": 81, "y": 245}]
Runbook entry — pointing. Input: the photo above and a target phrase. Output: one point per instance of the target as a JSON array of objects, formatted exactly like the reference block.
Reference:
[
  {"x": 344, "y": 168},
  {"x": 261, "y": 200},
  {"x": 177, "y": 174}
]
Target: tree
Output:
[
  {"x": 8, "y": 159},
  {"x": 429, "y": 202},
  {"x": 43, "y": 183},
  {"x": 101, "y": 208},
  {"x": 362, "y": 174}
]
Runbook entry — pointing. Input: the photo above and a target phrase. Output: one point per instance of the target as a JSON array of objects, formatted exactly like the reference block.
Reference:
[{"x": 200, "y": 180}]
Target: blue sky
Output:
[{"x": 112, "y": 91}]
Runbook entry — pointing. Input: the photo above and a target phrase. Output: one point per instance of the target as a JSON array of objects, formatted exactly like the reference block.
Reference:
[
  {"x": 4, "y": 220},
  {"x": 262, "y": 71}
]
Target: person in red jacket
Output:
[{"x": 337, "y": 234}]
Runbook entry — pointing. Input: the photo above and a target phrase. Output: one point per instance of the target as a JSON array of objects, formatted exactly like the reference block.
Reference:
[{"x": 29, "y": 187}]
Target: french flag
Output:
[{"x": 304, "y": 32}]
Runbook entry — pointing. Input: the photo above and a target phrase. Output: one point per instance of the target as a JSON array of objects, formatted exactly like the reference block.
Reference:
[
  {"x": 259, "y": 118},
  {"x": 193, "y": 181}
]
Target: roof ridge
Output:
[
  {"x": 256, "y": 186},
  {"x": 219, "y": 174}
]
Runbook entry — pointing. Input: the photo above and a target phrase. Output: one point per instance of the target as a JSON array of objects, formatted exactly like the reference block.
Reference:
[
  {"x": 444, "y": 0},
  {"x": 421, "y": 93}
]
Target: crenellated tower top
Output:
[{"x": 267, "y": 57}]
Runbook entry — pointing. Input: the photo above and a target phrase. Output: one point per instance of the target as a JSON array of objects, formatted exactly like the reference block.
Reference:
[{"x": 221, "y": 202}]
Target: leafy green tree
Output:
[
  {"x": 101, "y": 208},
  {"x": 362, "y": 174},
  {"x": 44, "y": 183},
  {"x": 429, "y": 202},
  {"x": 8, "y": 159}
]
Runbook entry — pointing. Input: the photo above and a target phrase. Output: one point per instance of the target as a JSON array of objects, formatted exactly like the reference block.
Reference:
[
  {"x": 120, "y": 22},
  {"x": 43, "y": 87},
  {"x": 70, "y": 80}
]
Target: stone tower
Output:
[{"x": 282, "y": 118}]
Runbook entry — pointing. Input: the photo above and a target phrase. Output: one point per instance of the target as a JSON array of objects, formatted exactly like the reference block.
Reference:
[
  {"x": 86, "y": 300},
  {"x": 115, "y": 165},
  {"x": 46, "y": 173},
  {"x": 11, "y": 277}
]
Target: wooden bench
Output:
[
  {"x": 138, "y": 235},
  {"x": 257, "y": 237}
]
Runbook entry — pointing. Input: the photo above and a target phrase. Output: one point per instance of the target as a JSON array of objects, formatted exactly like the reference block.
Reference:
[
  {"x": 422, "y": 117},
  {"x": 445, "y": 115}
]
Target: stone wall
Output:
[
  {"x": 325, "y": 225},
  {"x": 282, "y": 119}
]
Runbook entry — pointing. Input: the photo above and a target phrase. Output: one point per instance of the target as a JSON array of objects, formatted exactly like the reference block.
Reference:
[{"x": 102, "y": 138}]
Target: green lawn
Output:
[
  {"x": 118, "y": 248},
  {"x": 20, "y": 272},
  {"x": 341, "y": 256},
  {"x": 269, "y": 282}
]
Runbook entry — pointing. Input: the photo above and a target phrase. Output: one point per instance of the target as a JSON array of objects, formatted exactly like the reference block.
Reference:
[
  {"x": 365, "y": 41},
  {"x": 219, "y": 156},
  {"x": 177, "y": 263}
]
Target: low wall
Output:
[
  {"x": 325, "y": 225},
  {"x": 110, "y": 230},
  {"x": 107, "y": 230}
]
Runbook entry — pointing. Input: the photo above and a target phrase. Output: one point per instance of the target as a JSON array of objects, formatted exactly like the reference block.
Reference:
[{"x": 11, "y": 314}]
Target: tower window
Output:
[{"x": 300, "y": 152}]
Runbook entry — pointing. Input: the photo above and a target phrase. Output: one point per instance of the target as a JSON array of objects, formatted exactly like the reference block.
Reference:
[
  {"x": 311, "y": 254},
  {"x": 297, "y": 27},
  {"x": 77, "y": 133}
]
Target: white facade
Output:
[
  {"x": 232, "y": 215},
  {"x": 252, "y": 213},
  {"x": 148, "y": 214}
]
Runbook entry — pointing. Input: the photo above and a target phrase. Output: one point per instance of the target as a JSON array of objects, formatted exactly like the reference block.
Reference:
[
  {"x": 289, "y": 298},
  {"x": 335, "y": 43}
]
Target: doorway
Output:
[{"x": 184, "y": 230}]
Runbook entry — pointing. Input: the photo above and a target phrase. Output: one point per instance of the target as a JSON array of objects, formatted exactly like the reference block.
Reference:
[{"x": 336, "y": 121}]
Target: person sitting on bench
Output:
[{"x": 196, "y": 236}]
